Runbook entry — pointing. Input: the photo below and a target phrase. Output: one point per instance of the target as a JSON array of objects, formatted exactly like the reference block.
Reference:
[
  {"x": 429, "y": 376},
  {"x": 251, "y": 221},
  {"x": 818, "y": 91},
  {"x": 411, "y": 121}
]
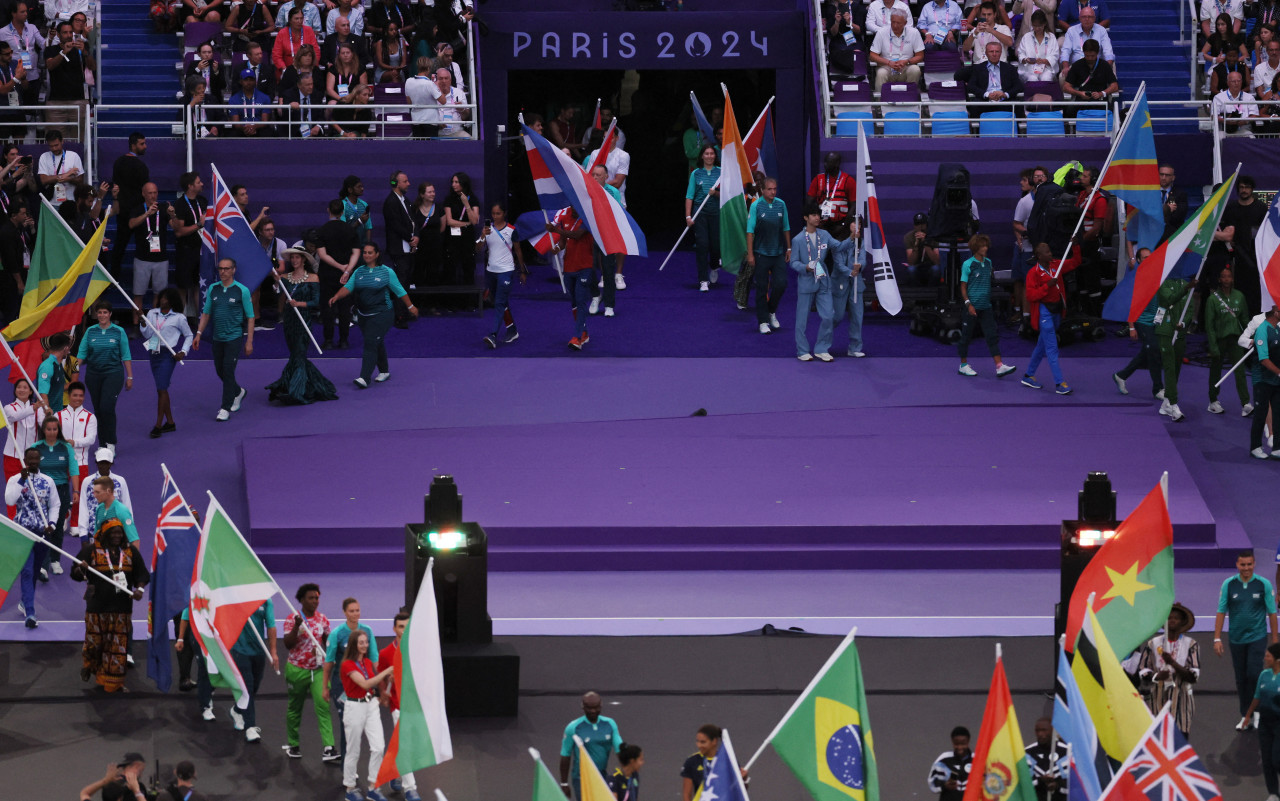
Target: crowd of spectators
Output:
[
  {"x": 47, "y": 59},
  {"x": 1240, "y": 54}
]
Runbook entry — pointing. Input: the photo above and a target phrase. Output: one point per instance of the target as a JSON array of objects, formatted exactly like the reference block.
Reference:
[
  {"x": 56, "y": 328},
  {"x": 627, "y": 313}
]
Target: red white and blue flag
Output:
[
  {"x": 1267, "y": 247},
  {"x": 760, "y": 146},
  {"x": 1163, "y": 767},
  {"x": 873, "y": 241},
  {"x": 172, "y": 561},
  {"x": 560, "y": 182},
  {"x": 230, "y": 238},
  {"x": 531, "y": 227}
]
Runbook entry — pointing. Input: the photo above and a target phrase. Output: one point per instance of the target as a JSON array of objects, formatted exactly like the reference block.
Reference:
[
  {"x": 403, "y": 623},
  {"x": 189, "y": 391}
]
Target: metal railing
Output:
[
  {"x": 922, "y": 106},
  {"x": 1188, "y": 25},
  {"x": 819, "y": 48}
]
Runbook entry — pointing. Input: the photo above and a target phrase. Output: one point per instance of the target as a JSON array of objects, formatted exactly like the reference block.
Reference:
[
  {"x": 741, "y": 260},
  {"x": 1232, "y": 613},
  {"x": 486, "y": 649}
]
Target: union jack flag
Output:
[
  {"x": 172, "y": 561},
  {"x": 1164, "y": 767},
  {"x": 175, "y": 515},
  {"x": 224, "y": 211},
  {"x": 231, "y": 237}
]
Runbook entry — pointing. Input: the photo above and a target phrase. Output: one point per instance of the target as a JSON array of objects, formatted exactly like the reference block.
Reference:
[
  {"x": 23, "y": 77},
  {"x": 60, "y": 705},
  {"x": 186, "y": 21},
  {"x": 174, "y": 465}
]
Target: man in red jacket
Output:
[
  {"x": 391, "y": 699},
  {"x": 1048, "y": 303}
]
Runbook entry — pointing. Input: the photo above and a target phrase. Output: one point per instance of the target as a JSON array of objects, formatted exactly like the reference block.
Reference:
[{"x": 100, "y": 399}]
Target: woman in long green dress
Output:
[{"x": 300, "y": 382}]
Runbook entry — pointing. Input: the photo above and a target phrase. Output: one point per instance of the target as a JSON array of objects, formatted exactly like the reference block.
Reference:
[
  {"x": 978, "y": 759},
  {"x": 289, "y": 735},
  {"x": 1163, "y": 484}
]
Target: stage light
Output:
[
  {"x": 1092, "y": 537},
  {"x": 446, "y": 540},
  {"x": 1080, "y": 540}
]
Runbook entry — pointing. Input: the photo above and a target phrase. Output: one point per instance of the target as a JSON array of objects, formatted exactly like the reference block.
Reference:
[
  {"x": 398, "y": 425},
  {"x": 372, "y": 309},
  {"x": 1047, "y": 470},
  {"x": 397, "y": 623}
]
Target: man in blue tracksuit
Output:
[
  {"x": 229, "y": 306},
  {"x": 848, "y": 291}
]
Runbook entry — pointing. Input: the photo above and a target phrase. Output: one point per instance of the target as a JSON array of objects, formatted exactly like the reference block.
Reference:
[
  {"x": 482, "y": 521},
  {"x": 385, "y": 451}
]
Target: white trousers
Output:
[
  {"x": 362, "y": 718},
  {"x": 407, "y": 779}
]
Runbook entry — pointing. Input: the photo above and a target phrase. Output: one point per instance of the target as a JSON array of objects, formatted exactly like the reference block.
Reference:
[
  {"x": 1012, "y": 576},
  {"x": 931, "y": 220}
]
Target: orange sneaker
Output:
[{"x": 575, "y": 343}]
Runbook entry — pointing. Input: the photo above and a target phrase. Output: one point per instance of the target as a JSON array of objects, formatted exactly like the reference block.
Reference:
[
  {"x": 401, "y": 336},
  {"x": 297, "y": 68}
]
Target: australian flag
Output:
[
  {"x": 172, "y": 562},
  {"x": 230, "y": 238}
]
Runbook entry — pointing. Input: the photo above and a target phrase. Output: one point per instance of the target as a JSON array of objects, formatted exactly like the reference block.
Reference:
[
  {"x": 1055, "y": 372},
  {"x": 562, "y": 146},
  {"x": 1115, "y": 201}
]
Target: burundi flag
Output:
[
  {"x": 228, "y": 585},
  {"x": 825, "y": 738},
  {"x": 545, "y": 786},
  {"x": 999, "y": 771},
  {"x": 1090, "y": 770},
  {"x": 873, "y": 240},
  {"x": 15, "y": 548},
  {"x": 420, "y": 738},
  {"x": 1118, "y": 713},
  {"x": 735, "y": 174},
  {"x": 56, "y": 249},
  {"x": 1130, "y": 579},
  {"x": 1180, "y": 256},
  {"x": 62, "y": 309},
  {"x": 1134, "y": 176}
]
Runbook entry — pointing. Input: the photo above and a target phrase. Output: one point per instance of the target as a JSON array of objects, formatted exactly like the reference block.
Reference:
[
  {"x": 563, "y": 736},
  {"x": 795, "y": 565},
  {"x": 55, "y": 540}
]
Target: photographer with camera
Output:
[
  {"x": 122, "y": 781},
  {"x": 1234, "y": 109},
  {"x": 66, "y": 63}
]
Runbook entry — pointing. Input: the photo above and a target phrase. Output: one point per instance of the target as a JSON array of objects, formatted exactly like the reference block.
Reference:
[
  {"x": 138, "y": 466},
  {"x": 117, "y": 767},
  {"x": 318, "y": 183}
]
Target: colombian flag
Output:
[
  {"x": 1134, "y": 176},
  {"x": 999, "y": 770},
  {"x": 62, "y": 309}
]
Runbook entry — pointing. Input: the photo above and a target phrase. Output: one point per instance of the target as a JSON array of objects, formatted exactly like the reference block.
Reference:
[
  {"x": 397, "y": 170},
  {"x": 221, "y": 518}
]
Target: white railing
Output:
[
  {"x": 827, "y": 109},
  {"x": 923, "y": 106},
  {"x": 1189, "y": 25},
  {"x": 325, "y": 115}
]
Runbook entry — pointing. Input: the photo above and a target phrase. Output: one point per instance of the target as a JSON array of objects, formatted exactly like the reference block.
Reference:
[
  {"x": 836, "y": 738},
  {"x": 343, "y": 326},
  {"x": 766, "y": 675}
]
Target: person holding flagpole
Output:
[
  {"x": 34, "y": 498},
  {"x": 390, "y": 698},
  {"x": 702, "y": 214},
  {"x": 108, "y": 615},
  {"x": 229, "y": 308},
  {"x": 301, "y": 382},
  {"x": 813, "y": 284},
  {"x": 304, "y": 672}
]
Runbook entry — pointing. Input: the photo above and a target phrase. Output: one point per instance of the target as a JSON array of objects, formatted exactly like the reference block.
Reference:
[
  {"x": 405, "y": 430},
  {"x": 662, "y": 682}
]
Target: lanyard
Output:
[
  {"x": 292, "y": 46},
  {"x": 113, "y": 567},
  {"x": 7, "y": 74},
  {"x": 399, "y": 17},
  {"x": 4, "y": 201},
  {"x": 155, "y": 230},
  {"x": 360, "y": 665},
  {"x": 828, "y": 191},
  {"x": 195, "y": 216}
]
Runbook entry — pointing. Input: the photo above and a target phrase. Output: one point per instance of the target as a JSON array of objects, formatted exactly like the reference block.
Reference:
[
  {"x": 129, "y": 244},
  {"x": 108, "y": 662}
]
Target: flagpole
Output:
[
  {"x": 1204, "y": 258},
  {"x": 265, "y": 650},
  {"x": 73, "y": 557},
  {"x": 14, "y": 357},
  {"x": 831, "y": 660},
  {"x": 1227, "y": 375},
  {"x": 301, "y": 319},
  {"x": 733, "y": 761},
  {"x": 311, "y": 635},
  {"x": 555, "y": 257},
  {"x": 1124, "y": 126}
]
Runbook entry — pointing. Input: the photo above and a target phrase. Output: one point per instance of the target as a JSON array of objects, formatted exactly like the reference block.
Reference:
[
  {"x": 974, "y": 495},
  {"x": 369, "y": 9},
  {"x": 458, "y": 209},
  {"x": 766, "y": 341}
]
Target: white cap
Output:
[{"x": 104, "y": 455}]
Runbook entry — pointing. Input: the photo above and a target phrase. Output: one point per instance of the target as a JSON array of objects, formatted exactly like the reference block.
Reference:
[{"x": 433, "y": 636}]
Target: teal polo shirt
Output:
[
  {"x": 1268, "y": 694},
  {"x": 230, "y": 308},
  {"x": 105, "y": 350},
  {"x": 1247, "y": 607},
  {"x": 600, "y": 739},
  {"x": 57, "y": 461},
  {"x": 977, "y": 274},
  {"x": 260, "y": 621},
  {"x": 51, "y": 381},
  {"x": 338, "y": 637},
  {"x": 701, "y": 182},
  {"x": 767, "y": 220}
]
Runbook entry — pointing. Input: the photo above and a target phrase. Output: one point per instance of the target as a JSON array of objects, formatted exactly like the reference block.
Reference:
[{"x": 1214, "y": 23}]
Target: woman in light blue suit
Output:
[
  {"x": 848, "y": 290},
  {"x": 809, "y": 249}
]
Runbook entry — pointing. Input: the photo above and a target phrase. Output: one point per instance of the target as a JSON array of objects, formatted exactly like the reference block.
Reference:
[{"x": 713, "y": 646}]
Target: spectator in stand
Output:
[
  {"x": 64, "y": 10},
  {"x": 1069, "y": 12},
  {"x": 1231, "y": 63},
  {"x": 26, "y": 42},
  {"x": 13, "y": 84},
  {"x": 420, "y": 90},
  {"x": 444, "y": 59},
  {"x": 304, "y": 64},
  {"x": 1071, "y": 48},
  {"x": 897, "y": 50},
  {"x": 449, "y": 98},
  {"x": 250, "y": 22},
  {"x": 453, "y": 17},
  {"x": 1038, "y": 50},
  {"x": 60, "y": 171},
  {"x": 1090, "y": 78},
  {"x": 150, "y": 223},
  {"x": 880, "y": 16},
  {"x": 844, "y": 24},
  {"x": 939, "y": 25},
  {"x": 390, "y": 56},
  {"x": 355, "y": 119},
  {"x": 343, "y": 77},
  {"x": 1263, "y": 75},
  {"x": 1027, "y": 9},
  {"x": 988, "y": 29},
  {"x": 1262, "y": 36},
  {"x": 250, "y": 108},
  {"x": 1233, "y": 108},
  {"x": 346, "y": 9},
  {"x": 1226, "y": 315},
  {"x": 203, "y": 10},
  {"x": 1210, "y": 9},
  {"x": 1222, "y": 41},
  {"x": 383, "y": 12},
  {"x": 310, "y": 15},
  {"x": 67, "y": 97},
  {"x": 1265, "y": 12},
  {"x": 292, "y": 39},
  {"x": 209, "y": 66},
  {"x": 203, "y": 119},
  {"x": 342, "y": 36},
  {"x": 128, "y": 175},
  {"x": 994, "y": 80}
]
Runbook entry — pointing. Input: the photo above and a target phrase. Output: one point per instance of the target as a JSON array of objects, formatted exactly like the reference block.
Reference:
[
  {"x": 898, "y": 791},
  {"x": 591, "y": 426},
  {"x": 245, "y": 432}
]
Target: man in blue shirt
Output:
[
  {"x": 229, "y": 306},
  {"x": 1266, "y": 389},
  {"x": 768, "y": 251},
  {"x": 1250, "y": 603},
  {"x": 249, "y": 106},
  {"x": 599, "y": 736}
]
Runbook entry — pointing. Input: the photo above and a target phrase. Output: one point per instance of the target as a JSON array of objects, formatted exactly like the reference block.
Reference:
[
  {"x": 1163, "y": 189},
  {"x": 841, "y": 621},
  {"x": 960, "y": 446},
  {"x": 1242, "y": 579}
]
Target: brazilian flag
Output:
[{"x": 826, "y": 736}]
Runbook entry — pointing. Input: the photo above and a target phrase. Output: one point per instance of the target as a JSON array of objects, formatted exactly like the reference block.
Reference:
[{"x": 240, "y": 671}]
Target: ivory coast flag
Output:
[
  {"x": 735, "y": 174},
  {"x": 825, "y": 738},
  {"x": 56, "y": 249},
  {"x": 420, "y": 738},
  {"x": 999, "y": 771},
  {"x": 15, "y": 547},
  {"x": 228, "y": 585},
  {"x": 1119, "y": 715}
]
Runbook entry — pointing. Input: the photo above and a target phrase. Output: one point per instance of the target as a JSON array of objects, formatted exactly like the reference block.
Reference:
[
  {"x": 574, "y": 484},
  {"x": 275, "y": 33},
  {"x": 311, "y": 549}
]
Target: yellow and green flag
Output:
[
  {"x": 57, "y": 247},
  {"x": 999, "y": 771},
  {"x": 1118, "y": 713},
  {"x": 825, "y": 738}
]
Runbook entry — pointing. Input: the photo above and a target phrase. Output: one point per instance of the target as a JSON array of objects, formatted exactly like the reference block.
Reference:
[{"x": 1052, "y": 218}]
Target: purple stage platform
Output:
[{"x": 914, "y": 486}]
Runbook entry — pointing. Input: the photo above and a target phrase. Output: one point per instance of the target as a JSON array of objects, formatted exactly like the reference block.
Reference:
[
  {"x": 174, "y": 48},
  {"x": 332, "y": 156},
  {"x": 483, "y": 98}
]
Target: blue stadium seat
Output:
[
  {"x": 1093, "y": 120},
  {"x": 996, "y": 123},
  {"x": 847, "y": 123},
  {"x": 950, "y": 123},
  {"x": 902, "y": 123},
  {"x": 1045, "y": 123}
]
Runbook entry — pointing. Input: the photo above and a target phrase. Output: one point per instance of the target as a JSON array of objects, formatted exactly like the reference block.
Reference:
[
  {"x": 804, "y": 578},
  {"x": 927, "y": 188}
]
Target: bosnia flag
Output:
[
  {"x": 826, "y": 736},
  {"x": 999, "y": 771}
]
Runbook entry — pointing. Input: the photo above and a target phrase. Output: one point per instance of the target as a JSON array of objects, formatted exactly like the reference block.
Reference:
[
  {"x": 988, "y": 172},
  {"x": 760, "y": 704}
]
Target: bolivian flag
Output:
[{"x": 999, "y": 771}]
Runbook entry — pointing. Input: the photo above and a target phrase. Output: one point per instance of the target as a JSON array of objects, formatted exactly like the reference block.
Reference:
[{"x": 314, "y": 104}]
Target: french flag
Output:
[
  {"x": 1267, "y": 247},
  {"x": 560, "y": 182}
]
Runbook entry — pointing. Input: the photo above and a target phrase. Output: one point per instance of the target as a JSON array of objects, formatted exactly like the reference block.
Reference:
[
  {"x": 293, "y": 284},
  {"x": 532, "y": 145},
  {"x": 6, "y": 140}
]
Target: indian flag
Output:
[
  {"x": 735, "y": 174},
  {"x": 56, "y": 249},
  {"x": 999, "y": 771},
  {"x": 421, "y": 736},
  {"x": 227, "y": 586},
  {"x": 15, "y": 547}
]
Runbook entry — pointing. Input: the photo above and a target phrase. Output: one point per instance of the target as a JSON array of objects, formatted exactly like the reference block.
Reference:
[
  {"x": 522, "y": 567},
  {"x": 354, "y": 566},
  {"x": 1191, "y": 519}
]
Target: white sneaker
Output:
[
  {"x": 1257, "y": 453},
  {"x": 857, "y": 354},
  {"x": 22, "y": 608},
  {"x": 619, "y": 282},
  {"x": 1120, "y": 384},
  {"x": 715, "y": 275},
  {"x": 965, "y": 369},
  {"x": 805, "y": 357},
  {"x": 773, "y": 321},
  {"x": 1164, "y": 407},
  {"x": 56, "y": 567},
  {"x": 1216, "y": 408},
  {"x": 207, "y": 712},
  {"x": 824, "y": 357},
  {"x": 600, "y": 283},
  {"x": 608, "y": 311},
  {"x": 128, "y": 658},
  {"x": 1246, "y": 410},
  {"x": 765, "y": 329},
  {"x": 595, "y": 305},
  {"x": 360, "y": 382},
  {"x": 741, "y": 307},
  {"x": 702, "y": 286},
  {"x": 223, "y": 416},
  {"x": 237, "y": 720},
  {"x": 1160, "y": 395},
  {"x": 235, "y": 404},
  {"x": 252, "y": 734},
  {"x": 1273, "y": 797},
  {"x": 382, "y": 377},
  {"x": 1176, "y": 414}
]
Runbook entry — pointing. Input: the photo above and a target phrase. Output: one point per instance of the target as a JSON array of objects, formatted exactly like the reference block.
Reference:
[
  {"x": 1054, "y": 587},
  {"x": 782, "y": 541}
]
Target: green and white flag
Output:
[
  {"x": 545, "y": 786},
  {"x": 228, "y": 585},
  {"x": 421, "y": 736},
  {"x": 735, "y": 174}
]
